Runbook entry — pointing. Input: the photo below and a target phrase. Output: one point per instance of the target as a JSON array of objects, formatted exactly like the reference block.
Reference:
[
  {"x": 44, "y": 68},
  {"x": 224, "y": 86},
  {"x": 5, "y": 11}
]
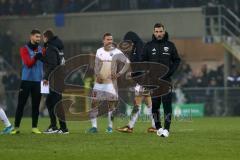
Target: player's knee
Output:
[
  {"x": 95, "y": 103},
  {"x": 155, "y": 110},
  {"x": 149, "y": 105},
  {"x": 167, "y": 108},
  {"x": 135, "y": 109},
  {"x": 112, "y": 105},
  {"x": 93, "y": 113}
]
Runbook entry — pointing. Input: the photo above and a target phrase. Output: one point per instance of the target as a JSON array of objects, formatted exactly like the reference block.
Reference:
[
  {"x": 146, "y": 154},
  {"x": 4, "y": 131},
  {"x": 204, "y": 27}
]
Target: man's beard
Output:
[
  {"x": 37, "y": 43},
  {"x": 108, "y": 47}
]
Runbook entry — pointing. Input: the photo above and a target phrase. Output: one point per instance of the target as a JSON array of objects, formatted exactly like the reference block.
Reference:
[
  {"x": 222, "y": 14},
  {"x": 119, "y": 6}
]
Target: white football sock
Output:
[
  {"x": 94, "y": 122},
  {"x": 4, "y": 118},
  {"x": 153, "y": 123},
  {"x": 133, "y": 120},
  {"x": 149, "y": 110},
  {"x": 110, "y": 122}
]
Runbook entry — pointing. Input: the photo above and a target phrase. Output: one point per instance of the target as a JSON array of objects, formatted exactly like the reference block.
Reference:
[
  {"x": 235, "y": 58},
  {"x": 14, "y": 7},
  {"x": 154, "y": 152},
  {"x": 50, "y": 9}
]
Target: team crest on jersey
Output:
[
  {"x": 166, "y": 49},
  {"x": 154, "y": 50}
]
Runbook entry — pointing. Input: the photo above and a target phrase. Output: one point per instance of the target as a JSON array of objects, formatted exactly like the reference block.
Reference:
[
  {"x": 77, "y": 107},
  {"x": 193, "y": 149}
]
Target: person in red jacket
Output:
[{"x": 32, "y": 74}]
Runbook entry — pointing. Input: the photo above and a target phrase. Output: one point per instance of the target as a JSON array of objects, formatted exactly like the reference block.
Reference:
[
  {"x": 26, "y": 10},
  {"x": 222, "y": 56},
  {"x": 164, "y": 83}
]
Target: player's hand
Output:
[
  {"x": 45, "y": 82},
  {"x": 38, "y": 56}
]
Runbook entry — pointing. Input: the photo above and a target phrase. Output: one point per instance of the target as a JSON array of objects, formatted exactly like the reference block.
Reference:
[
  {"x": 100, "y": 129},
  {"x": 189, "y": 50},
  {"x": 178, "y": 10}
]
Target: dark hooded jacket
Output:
[
  {"x": 164, "y": 52},
  {"x": 136, "y": 54},
  {"x": 51, "y": 60}
]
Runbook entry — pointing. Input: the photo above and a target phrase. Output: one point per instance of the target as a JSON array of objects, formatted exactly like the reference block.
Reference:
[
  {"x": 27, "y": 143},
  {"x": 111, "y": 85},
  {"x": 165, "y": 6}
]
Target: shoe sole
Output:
[
  {"x": 123, "y": 131},
  {"x": 18, "y": 132},
  {"x": 53, "y": 132},
  {"x": 64, "y": 133},
  {"x": 155, "y": 131}
]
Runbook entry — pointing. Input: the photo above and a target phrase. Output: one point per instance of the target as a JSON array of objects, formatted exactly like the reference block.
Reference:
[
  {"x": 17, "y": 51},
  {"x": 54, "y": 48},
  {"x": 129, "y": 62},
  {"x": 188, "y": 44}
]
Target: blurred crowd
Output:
[
  {"x": 6, "y": 45},
  {"x": 205, "y": 77},
  {"x": 11, "y": 83},
  {"x": 38, "y": 7},
  {"x": 207, "y": 86}
]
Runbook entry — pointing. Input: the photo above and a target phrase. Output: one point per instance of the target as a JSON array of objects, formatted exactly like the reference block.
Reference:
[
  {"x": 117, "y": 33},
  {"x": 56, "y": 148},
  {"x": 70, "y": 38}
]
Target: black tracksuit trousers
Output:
[
  {"x": 52, "y": 99},
  {"x": 27, "y": 88},
  {"x": 166, "y": 100}
]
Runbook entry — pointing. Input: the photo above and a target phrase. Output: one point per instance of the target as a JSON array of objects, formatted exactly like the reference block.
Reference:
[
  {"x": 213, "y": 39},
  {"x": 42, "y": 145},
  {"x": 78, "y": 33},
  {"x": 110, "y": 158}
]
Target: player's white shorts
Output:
[
  {"x": 105, "y": 92},
  {"x": 141, "y": 91}
]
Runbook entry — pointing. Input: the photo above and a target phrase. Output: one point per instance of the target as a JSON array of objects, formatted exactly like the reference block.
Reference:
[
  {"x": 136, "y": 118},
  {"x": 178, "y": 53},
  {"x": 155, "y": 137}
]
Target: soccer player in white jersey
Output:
[
  {"x": 8, "y": 127},
  {"x": 105, "y": 87}
]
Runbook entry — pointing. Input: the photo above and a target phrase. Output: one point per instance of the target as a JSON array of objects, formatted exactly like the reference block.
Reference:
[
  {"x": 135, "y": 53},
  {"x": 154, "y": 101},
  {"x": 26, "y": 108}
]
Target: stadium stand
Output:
[{"x": 43, "y": 7}]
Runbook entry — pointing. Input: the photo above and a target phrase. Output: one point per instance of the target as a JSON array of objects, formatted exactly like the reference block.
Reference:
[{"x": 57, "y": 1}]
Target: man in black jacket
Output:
[
  {"x": 161, "y": 50},
  {"x": 51, "y": 60}
]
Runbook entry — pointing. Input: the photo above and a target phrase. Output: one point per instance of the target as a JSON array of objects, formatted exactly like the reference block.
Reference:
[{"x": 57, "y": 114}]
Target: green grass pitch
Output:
[{"x": 200, "y": 138}]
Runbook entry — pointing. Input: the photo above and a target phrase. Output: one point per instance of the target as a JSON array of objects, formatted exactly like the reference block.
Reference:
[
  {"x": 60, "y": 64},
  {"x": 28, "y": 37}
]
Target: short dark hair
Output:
[
  {"x": 158, "y": 25},
  {"x": 106, "y": 35},
  {"x": 48, "y": 33},
  {"x": 35, "y": 31}
]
